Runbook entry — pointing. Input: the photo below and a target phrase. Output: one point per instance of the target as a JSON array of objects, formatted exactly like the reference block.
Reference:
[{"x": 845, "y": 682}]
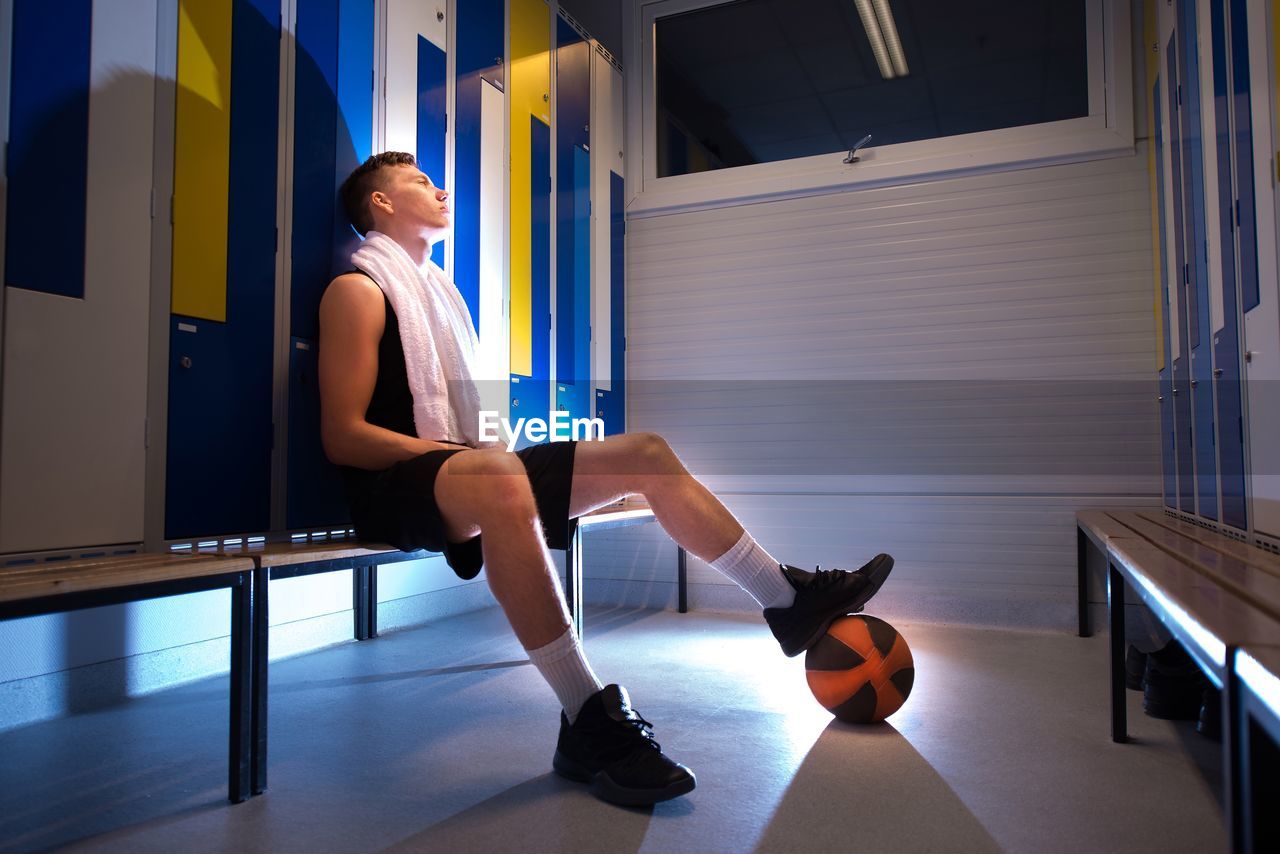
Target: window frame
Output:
[{"x": 1108, "y": 130}]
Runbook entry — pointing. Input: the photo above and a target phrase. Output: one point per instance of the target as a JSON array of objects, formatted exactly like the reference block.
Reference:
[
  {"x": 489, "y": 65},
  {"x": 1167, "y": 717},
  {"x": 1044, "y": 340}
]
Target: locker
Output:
[
  {"x": 1168, "y": 441},
  {"x": 228, "y": 359},
  {"x": 48, "y": 122},
  {"x": 1200, "y": 365},
  {"x": 315, "y": 495},
  {"x": 432, "y": 101},
  {"x": 573, "y": 234},
  {"x": 535, "y": 392},
  {"x": 333, "y": 133},
  {"x": 529, "y": 100},
  {"x": 479, "y": 60},
  {"x": 72, "y": 448},
  {"x": 1181, "y": 387},
  {"x": 1238, "y": 255},
  {"x": 611, "y": 404}
]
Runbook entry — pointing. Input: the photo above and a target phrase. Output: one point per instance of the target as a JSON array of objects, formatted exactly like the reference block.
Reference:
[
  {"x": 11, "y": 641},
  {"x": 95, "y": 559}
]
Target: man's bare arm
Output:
[{"x": 352, "y": 320}]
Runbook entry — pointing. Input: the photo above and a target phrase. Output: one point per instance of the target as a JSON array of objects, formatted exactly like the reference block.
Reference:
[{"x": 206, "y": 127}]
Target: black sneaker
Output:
[
  {"x": 1210, "y": 723},
  {"x": 611, "y": 747},
  {"x": 1135, "y": 667},
  {"x": 821, "y": 596},
  {"x": 1173, "y": 686}
]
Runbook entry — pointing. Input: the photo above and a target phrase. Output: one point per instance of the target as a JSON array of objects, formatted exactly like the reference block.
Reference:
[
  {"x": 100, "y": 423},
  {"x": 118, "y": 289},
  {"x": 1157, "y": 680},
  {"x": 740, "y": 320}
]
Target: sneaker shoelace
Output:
[
  {"x": 643, "y": 729},
  {"x": 825, "y": 577}
]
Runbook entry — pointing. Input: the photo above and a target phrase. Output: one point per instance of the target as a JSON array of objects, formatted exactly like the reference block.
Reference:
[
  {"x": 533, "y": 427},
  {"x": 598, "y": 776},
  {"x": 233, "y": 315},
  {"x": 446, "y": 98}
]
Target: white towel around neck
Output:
[{"x": 438, "y": 338}]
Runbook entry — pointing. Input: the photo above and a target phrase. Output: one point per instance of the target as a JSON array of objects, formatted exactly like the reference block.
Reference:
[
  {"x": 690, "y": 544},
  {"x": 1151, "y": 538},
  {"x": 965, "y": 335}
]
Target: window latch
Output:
[{"x": 853, "y": 152}]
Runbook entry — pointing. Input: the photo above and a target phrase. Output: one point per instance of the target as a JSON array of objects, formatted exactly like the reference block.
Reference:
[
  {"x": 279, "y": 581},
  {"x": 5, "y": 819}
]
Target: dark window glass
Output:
[{"x": 762, "y": 80}]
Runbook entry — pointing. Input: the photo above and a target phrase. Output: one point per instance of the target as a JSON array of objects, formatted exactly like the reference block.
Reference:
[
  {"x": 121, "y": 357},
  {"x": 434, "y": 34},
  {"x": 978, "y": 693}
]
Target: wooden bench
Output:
[
  {"x": 1219, "y": 598},
  {"x": 57, "y": 587}
]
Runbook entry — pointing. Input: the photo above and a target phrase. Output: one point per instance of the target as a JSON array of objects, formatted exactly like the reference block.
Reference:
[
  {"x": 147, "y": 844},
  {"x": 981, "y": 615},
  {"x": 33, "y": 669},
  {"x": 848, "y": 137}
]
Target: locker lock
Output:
[
  {"x": 1195, "y": 383},
  {"x": 439, "y": 15},
  {"x": 185, "y": 361},
  {"x": 1248, "y": 357},
  {"x": 1217, "y": 372}
]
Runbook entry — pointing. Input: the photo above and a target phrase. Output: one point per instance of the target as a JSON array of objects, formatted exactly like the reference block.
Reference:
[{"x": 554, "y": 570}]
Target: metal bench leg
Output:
[
  {"x": 1082, "y": 582},
  {"x": 682, "y": 579},
  {"x": 1235, "y": 747},
  {"x": 240, "y": 746},
  {"x": 573, "y": 579},
  {"x": 1115, "y": 609},
  {"x": 360, "y": 601},
  {"x": 261, "y": 637},
  {"x": 371, "y": 618}
]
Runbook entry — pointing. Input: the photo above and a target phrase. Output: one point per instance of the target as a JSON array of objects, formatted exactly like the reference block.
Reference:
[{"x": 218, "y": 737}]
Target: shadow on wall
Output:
[{"x": 321, "y": 244}]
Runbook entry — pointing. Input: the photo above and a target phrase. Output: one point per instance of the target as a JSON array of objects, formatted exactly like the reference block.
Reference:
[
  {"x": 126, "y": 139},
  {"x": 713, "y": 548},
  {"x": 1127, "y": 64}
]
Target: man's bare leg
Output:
[
  {"x": 643, "y": 464},
  {"x": 488, "y": 491},
  {"x": 798, "y": 606},
  {"x": 602, "y": 741}
]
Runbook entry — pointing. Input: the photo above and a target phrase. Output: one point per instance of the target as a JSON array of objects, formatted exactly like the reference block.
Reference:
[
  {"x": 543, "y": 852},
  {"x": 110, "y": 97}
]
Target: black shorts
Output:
[{"x": 398, "y": 505}]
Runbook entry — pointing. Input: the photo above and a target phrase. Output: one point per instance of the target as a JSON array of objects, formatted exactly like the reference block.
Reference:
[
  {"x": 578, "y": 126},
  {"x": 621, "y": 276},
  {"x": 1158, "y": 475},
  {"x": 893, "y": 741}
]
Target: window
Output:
[{"x": 761, "y": 98}]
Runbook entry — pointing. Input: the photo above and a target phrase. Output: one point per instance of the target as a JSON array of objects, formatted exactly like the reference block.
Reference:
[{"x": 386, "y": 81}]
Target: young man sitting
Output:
[{"x": 400, "y": 415}]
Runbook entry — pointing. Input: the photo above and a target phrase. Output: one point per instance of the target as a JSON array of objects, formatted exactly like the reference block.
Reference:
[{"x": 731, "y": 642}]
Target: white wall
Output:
[{"x": 945, "y": 371}]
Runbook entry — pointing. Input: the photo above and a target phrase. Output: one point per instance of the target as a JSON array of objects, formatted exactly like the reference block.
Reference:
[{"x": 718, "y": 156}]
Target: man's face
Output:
[{"x": 415, "y": 200}]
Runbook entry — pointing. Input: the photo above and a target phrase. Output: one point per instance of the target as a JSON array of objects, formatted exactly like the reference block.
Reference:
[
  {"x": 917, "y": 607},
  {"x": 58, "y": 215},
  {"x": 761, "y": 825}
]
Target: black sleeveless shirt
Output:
[{"x": 391, "y": 405}]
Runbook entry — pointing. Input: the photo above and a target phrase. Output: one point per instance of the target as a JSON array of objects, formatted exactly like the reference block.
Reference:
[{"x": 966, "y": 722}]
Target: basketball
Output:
[{"x": 861, "y": 670}]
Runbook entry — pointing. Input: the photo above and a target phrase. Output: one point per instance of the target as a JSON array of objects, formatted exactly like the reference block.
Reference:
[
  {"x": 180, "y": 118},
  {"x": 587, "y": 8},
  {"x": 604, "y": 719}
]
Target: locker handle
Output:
[
  {"x": 1195, "y": 383},
  {"x": 1217, "y": 372}
]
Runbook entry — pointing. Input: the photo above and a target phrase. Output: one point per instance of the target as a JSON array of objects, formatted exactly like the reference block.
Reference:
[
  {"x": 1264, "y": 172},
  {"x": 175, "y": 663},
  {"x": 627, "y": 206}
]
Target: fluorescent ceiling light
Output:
[
  {"x": 889, "y": 32},
  {"x": 872, "y": 26},
  {"x": 882, "y": 32}
]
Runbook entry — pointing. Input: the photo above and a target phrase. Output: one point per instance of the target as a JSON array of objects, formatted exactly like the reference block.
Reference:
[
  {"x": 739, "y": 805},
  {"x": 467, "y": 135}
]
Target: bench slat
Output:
[
  {"x": 1251, "y": 555},
  {"x": 1211, "y": 617},
  {"x": 1099, "y": 526},
  {"x": 1259, "y": 587},
  {"x": 292, "y": 554},
  {"x": 89, "y": 564},
  {"x": 59, "y": 578}
]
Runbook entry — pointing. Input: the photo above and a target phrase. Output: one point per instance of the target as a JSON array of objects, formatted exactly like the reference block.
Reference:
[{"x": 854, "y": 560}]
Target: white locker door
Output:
[
  {"x": 495, "y": 347},
  {"x": 607, "y": 119},
  {"x": 75, "y": 370},
  {"x": 406, "y": 21}
]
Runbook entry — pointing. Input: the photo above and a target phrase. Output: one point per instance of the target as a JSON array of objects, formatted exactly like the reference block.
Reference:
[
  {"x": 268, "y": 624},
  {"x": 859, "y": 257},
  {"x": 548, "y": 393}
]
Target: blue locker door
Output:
[
  {"x": 315, "y": 496},
  {"x": 333, "y": 133},
  {"x": 431, "y": 121},
  {"x": 531, "y": 396},
  {"x": 573, "y": 239},
  {"x": 48, "y": 124},
  {"x": 1226, "y": 341},
  {"x": 479, "y": 55},
  {"x": 218, "y": 478},
  {"x": 1168, "y": 460},
  {"x": 1198, "y": 317},
  {"x": 1181, "y": 388},
  {"x": 611, "y": 404}
]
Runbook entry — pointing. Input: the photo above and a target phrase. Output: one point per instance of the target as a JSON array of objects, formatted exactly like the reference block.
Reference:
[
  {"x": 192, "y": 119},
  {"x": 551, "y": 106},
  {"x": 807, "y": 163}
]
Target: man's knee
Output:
[
  {"x": 502, "y": 486},
  {"x": 654, "y": 455}
]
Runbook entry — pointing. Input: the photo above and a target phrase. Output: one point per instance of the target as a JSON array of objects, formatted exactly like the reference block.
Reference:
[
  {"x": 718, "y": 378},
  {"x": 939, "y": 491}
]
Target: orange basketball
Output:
[{"x": 861, "y": 670}]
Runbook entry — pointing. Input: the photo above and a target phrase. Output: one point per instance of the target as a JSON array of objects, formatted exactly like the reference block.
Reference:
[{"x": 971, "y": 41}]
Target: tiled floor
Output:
[{"x": 439, "y": 739}]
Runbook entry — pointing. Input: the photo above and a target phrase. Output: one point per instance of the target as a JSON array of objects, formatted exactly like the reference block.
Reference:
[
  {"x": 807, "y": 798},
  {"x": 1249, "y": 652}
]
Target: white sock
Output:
[
  {"x": 756, "y": 572},
  {"x": 563, "y": 665}
]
